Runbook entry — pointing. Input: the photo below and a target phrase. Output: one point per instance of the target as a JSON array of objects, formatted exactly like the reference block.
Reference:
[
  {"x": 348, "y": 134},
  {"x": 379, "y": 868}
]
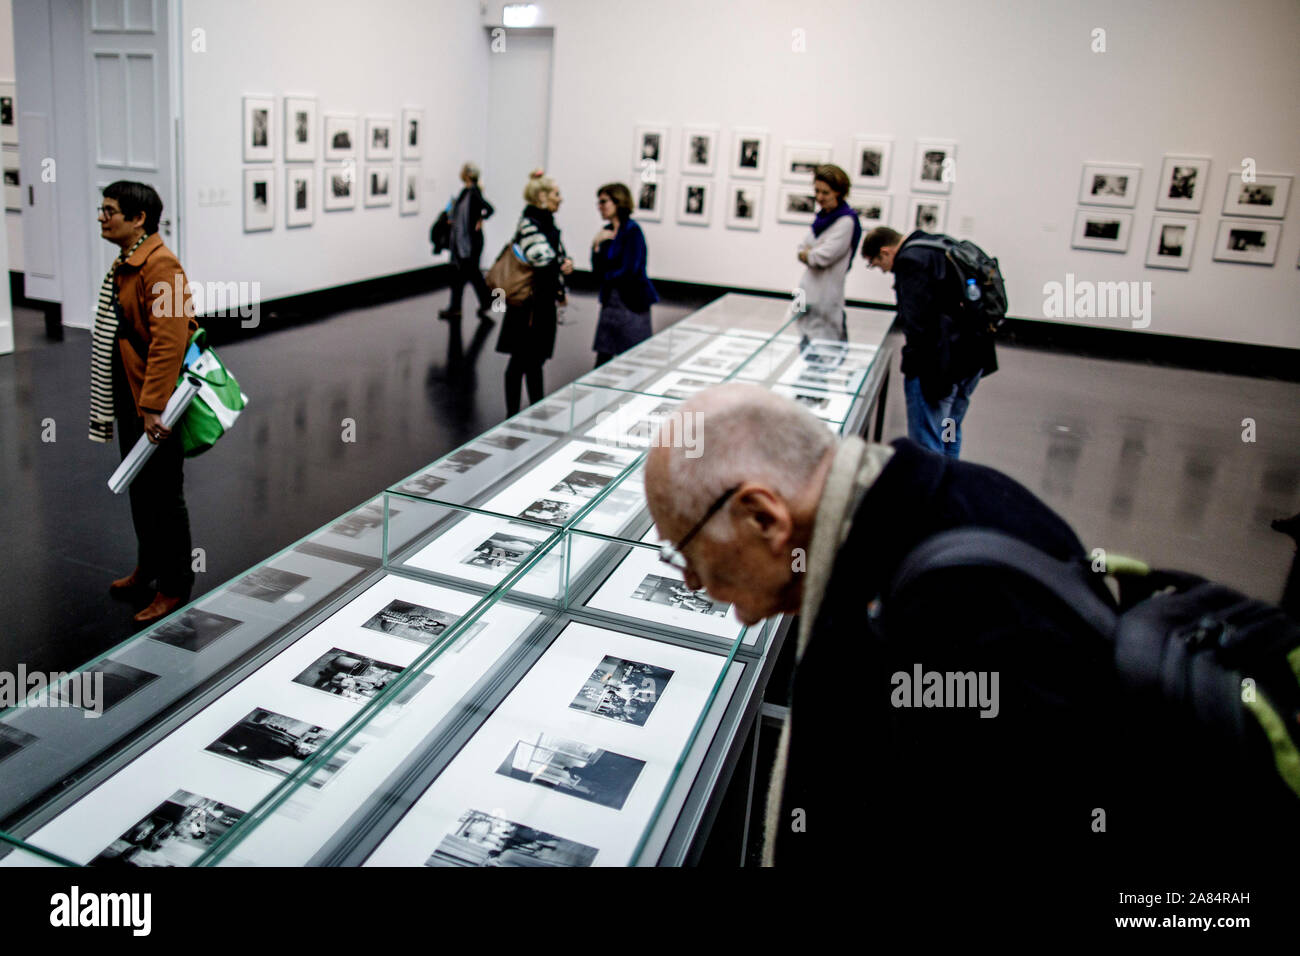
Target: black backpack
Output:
[
  {"x": 987, "y": 313},
  {"x": 1217, "y": 671}
]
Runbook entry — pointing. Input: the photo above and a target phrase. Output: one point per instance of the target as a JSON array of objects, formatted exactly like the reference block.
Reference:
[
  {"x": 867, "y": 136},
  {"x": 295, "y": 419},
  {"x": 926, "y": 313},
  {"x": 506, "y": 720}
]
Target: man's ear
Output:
[{"x": 765, "y": 511}]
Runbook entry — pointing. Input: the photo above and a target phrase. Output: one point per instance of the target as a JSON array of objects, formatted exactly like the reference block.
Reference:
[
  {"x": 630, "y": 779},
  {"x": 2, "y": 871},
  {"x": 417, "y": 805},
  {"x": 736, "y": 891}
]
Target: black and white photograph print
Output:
[
  {"x": 268, "y": 584},
  {"x": 574, "y": 768},
  {"x": 550, "y": 511},
  {"x": 673, "y": 592},
  {"x": 379, "y": 138},
  {"x": 622, "y": 690},
  {"x": 501, "y": 552},
  {"x": 1109, "y": 185},
  {"x": 481, "y": 839},
  {"x": 175, "y": 833},
  {"x": 796, "y": 204},
  {"x": 348, "y": 675},
  {"x": 694, "y": 204},
  {"x": 12, "y": 179},
  {"x": 1183, "y": 181},
  {"x": 297, "y": 190},
  {"x": 271, "y": 742},
  {"x": 368, "y": 518},
  {"x": 120, "y": 682},
  {"x": 873, "y": 209},
  {"x": 412, "y": 132},
  {"x": 800, "y": 160},
  {"x": 463, "y": 460},
  {"x": 1102, "y": 231},
  {"x": 259, "y": 137},
  {"x": 259, "y": 208},
  {"x": 422, "y": 486},
  {"x": 582, "y": 484},
  {"x": 604, "y": 459},
  {"x": 869, "y": 167},
  {"x": 699, "y": 150},
  {"x": 744, "y": 205},
  {"x": 13, "y": 740},
  {"x": 413, "y": 622},
  {"x": 299, "y": 129},
  {"x": 1265, "y": 197},
  {"x": 650, "y": 147},
  {"x": 340, "y": 138},
  {"x": 1245, "y": 241},
  {"x": 379, "y": 182},
  {"x": 8, "y": 114},
  {"x": 503, "y": 440},
  {"x": 409, "y": 196},
  {"x": 1171, "y": 242},
  {"x": 339, "y": 187},
  {"x": 927, "y": 214},
  {"x": 749, "y": 154},
  {"x": 935, "y": 168},
  {"x": 194, "y": 629},
  {"x": 648, "y": 194}
]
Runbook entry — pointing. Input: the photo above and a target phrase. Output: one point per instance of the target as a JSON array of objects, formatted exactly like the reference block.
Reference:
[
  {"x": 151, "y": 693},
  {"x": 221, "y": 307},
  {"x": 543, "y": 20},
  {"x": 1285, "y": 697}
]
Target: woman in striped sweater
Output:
[{"x": 528, "y": 331}]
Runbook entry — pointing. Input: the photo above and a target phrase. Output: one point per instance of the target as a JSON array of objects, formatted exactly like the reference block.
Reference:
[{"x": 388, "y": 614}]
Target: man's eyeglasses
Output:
[
  {"x": 106, "y": 212},
  {"x": 671, "y": 554}
]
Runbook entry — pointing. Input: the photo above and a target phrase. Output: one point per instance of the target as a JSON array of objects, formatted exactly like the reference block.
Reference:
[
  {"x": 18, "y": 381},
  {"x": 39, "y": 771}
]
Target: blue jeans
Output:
[{"x": 938, "y": 427}]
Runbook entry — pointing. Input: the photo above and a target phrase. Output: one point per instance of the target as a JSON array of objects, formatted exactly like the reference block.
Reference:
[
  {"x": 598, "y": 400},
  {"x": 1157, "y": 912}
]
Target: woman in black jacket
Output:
[
  {"x": 618, "y": 259},
  {"x": 468, "y": 213},
  {"x": 528, "y": 331}
]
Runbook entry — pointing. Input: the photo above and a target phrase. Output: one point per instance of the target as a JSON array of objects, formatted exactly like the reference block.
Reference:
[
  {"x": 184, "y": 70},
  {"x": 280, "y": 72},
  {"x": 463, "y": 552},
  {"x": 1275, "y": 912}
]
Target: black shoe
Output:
[{"x": 449, "y": 314}]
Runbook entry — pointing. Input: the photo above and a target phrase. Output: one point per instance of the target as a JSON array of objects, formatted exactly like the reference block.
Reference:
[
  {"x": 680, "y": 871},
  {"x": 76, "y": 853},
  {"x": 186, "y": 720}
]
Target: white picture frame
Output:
[
  {"x": 379, "y": 185},
  {"x": 796, "y": 205},
  {"x": 927, "y": 213},
  {"x": 299, "y": 196},
  {"x": 935, "y": 167},
  {"x": 259, "y": 199},
  {"x": 1101, "y": 231},
  {"x": 12, "y": 179},
  {"x": 799, "y": 160},
  {"x": 259, "y": 129},
  {"x": 334, "y": 179},
  {"x": 1183, "y": 182},
  {"x": 650, "y": 146},
  {"x": 695, "y": 202},
  {"x": 409, "y": 195},
  {"x": 1172, "y": 241},
  {"x": 1265, "y": 198},
  {"x": 872, "y": 157},
  {"x": 699, "y": 150},
  {"x": 8, "y": 113},
  {"x": 339, "y": 139},
  {"x": 412, "y": 132},
  {"x": 380, "y": 139},
  {"x": 748, "y": 157},
  {"x": 299, "y": 129},
  {"x": 1247, "y": 240},
  {"x": 873, "y": 209},
  {"x": 744, "y": 204},
  {"x": 1110, "y": 184},
  {"x": 648, "y": 196}
]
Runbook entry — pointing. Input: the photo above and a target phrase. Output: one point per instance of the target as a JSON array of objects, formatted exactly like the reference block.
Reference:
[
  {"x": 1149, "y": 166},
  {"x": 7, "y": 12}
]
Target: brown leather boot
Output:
[
  {"x": 123, "y": 586},
  {"x": 159, "y": 608}
]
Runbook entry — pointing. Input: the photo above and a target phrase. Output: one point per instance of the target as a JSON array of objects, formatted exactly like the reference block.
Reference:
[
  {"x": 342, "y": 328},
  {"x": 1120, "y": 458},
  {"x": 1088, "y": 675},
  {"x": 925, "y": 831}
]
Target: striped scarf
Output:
[{"x": 103, "y": 341}]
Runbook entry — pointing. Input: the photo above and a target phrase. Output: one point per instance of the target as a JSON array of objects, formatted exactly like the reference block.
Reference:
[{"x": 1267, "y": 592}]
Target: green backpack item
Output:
[{"x": 217, "y": 403}]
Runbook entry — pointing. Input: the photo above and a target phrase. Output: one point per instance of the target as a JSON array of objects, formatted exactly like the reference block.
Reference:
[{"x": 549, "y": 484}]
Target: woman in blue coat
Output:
[{"x": 618, "y": 260}]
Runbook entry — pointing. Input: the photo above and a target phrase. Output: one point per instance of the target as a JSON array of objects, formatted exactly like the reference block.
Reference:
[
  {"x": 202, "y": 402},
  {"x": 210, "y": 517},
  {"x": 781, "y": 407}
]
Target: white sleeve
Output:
[{"x": 832, "y": 244}]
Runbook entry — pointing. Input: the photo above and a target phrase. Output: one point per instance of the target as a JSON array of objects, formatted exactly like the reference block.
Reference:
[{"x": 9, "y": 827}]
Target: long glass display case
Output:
[{"x": 485, "y": 664}]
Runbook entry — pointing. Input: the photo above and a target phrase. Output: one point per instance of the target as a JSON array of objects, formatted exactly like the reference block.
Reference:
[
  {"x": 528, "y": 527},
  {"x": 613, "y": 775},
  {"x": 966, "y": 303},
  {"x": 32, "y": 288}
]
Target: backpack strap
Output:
[{"x": 986, "y": 548}]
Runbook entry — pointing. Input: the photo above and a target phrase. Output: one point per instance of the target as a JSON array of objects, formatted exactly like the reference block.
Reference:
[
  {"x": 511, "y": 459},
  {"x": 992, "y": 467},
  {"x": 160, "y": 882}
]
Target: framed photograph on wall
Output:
[
  {"x": 936, "y": 166},
  {"x": 799, "y": 160},
  {"x": 873, "y": 209},
  {"x": 259, "y": 200},
  {"x": 1244, "y": 241},
  {"x": 1109, "y": 185},
  {"x": 744, "y": 205},
  {"x": 1266, "y": 197},
  {"x": 695, "y": 202},
  {"x": 379, "y": 185},
  {"x": 8, "y": 114},
  {"x": 340, "y": 136},
  {"x": 927, "y": 213},
  {"x": 1183, "y": 181},
  {"x": 299, "y": 129},
  {"x": 749, "y": 153},
  {"x": 409, "y": 203},
  {"x": 651, "y": 146},
  {"x": 259, "y": 133},
  {"x": 1170, "y": 246},
  {"x": 871, "y": 159},
  {"x": 298, "y": 207},
  {"x": 647, "y": 196},
  {"x": 339, "y": 189},
  {"x": 1102, "y": 231},
  {"x": 379, "y": 138},
  {"x": 699, "y": 150},
  {"x": 13, "y": 180},
  {"x": 796, "y": 204},
  {"x": 412, "y": 132}
]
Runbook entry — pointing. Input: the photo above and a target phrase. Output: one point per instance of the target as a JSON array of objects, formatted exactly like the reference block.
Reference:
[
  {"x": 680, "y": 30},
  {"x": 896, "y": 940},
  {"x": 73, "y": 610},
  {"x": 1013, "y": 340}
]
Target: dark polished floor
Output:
[{"x": 1141, "y": 459}]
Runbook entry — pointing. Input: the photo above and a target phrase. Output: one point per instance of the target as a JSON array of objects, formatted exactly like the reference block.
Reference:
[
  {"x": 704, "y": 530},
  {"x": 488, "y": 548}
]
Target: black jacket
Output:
[
  {"x": 479, "y": 209},
  {"x": 929, "y": 300}
]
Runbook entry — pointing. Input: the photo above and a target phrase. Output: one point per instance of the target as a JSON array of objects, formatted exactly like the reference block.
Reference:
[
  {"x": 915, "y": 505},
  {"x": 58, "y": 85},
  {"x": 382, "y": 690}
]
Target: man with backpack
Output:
[{"x": 949, "y": 303}]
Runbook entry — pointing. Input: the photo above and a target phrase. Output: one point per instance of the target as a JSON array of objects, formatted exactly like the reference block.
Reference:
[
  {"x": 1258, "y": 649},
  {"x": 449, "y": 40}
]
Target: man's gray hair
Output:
[{"x": 745, "y": 433}]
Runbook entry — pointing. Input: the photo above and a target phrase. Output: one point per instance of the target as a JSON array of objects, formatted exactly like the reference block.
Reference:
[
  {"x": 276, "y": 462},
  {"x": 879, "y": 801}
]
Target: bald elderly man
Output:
[{"x": 771, "y": 512}]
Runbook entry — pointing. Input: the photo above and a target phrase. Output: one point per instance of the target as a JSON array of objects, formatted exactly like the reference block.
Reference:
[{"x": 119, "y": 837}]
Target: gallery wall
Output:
[
  {"x": 1016, "y": 84},
  {"x": 365, "y": 59},
  {"x": 13, "y": 218}
]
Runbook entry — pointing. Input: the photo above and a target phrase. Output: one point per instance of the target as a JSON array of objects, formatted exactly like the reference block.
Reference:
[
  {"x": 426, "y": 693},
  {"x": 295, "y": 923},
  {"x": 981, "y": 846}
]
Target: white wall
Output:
[
  {"x": 1014, "y": 82},
  {"x": 13, "y": 219},
  {"x": 371, "y": 58}
]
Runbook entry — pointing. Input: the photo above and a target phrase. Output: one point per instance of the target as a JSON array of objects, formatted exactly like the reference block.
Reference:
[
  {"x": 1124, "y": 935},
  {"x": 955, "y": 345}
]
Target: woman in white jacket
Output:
[{"x": 827, "y": 251}]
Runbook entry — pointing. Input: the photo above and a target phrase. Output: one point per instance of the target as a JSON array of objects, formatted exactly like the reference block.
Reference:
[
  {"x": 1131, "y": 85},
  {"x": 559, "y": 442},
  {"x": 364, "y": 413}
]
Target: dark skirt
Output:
[
  {"x": 528, "y": 330},
  {"x": 619, "y": 328}
]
